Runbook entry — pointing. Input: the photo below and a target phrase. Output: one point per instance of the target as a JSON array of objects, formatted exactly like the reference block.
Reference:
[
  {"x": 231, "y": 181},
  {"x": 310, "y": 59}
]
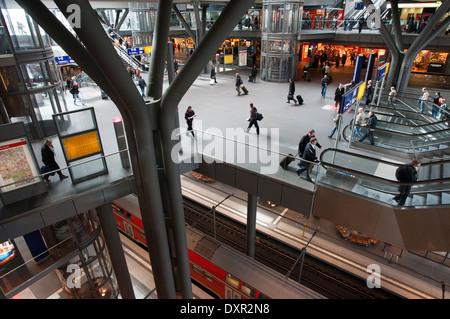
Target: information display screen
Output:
[{"x": 16, "y": 165}]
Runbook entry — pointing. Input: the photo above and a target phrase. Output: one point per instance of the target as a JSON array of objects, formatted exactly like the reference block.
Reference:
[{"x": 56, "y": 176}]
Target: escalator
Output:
[
  {"x": 403, "y": 132},
  {"x": 357, "y": 191}
]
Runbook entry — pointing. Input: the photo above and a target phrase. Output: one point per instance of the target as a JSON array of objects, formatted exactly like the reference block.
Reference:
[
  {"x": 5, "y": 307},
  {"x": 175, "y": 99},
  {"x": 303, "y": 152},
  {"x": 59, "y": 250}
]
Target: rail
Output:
[{"x": 375, "y": 178}]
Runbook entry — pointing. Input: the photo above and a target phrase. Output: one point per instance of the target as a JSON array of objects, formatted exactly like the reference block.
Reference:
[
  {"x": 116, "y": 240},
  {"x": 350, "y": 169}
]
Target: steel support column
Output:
[
  {"x": 252, "y": 201},
  {"x": 161, "y": 34},
  {"x": 115, "y": 251},
  {"x": 118, "y": 85},
  {"x": 168, "y": 121}
]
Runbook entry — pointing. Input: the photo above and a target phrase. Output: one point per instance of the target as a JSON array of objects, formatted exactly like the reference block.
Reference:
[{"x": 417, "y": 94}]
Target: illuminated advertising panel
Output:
[{"x": 81, "y": 145}]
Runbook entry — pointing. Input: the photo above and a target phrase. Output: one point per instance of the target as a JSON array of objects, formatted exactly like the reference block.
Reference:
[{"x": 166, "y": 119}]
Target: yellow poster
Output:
[
  {"x": 148, "y": 49},
  {"x": 229, "y": 59},
  {"x": 81, "y": 145},
  {"x": 361, "y": 90}
]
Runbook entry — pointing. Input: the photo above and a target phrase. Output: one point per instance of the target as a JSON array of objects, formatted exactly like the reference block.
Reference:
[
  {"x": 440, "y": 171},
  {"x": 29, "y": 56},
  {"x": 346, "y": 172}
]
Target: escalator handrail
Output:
[
  {"x": 405, "y": 134},
  {"x": 384, "y": 180}
]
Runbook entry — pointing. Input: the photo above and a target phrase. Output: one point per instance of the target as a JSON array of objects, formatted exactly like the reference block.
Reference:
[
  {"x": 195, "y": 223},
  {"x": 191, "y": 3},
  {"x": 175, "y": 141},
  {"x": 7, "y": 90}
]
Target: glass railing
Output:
[
  {"x": 116, "y": 171},
  {"x": 16, "y": 279},
  {"x": 259, "y": 154},
  {"x": 375, "y": 179}
]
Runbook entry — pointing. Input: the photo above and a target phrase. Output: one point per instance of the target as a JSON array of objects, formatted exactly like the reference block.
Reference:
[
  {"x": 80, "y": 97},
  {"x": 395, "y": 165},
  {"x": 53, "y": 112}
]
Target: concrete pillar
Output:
[{"x": 115, "y": 250}]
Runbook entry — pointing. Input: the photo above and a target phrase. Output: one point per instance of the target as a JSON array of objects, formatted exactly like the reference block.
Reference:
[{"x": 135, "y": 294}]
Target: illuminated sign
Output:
[
  {"x": 228, "y": 59},
  {"x": 81, "y": 145}
]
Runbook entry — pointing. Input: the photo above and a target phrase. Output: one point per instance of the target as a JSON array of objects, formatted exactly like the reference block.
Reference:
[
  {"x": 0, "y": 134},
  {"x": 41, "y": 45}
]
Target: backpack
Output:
[{"x": 401, "y": 172}]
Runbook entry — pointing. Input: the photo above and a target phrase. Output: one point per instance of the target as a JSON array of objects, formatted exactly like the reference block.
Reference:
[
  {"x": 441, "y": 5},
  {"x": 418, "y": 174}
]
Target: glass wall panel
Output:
[
  {"x": 10, "y": 80},
  {"x": 35, "y": 75},
  {"x": 21, "y": 29},
  {"x": 5, "y": 48},
  {"x": 277, "y": 18}
]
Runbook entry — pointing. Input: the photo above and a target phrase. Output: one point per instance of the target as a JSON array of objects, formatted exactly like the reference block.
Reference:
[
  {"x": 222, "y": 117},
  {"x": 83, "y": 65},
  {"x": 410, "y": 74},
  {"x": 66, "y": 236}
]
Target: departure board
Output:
[{"x": 82, "y": 145}]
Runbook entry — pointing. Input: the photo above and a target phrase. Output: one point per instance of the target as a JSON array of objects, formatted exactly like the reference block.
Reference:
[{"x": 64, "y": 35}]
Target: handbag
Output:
[{"x": 259, "y": 116}]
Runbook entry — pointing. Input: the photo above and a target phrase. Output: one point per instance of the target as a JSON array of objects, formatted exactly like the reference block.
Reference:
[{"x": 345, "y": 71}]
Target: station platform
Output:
[{"x": 218, "y": 106}]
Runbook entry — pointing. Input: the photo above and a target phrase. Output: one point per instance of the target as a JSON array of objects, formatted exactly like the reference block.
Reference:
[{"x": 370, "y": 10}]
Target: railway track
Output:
[{"x": 320, "y": 276}]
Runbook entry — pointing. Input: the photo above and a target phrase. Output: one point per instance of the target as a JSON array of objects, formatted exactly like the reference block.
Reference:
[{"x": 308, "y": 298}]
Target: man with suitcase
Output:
[
  {"x": 309, "y": 155},
  {"x": 239, "y": 85}
]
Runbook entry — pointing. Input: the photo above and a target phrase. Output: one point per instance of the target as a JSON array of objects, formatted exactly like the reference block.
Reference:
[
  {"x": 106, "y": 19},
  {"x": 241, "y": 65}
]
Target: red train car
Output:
[{"x": 223, "y": 271}]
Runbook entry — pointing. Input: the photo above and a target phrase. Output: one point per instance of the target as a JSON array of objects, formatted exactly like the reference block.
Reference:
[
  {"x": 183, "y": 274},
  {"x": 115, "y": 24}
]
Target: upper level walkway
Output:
[{"x": 220, "y": 112}]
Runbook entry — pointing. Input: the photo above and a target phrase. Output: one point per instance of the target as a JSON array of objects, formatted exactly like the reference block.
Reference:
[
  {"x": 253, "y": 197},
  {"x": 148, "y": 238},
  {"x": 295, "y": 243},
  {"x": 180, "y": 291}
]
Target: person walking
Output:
[
  {"x": 142, "y": 85},
  {"x": 406, "y": 173},
  {"x": 308, "y": 155},
  {"x": 423, "y": 99},
  {"x": 338, "y": 95},
  {"x": 337, "y": 119},
  {"x": 305, "y": 71},
  {"x": 48, "y": 158},
  {"x": 253, "y": 119},
  {"x": 254, "y": 72},
  {"x": 371, "y": 125},
  {"x": 291, "y": 91},
  {"x": 360, "y": 119},
  {"x": 213, "y": 77},
  {"x": 189, "y": 117},
  {"x": 238, "y": 83},
  {"x": 324, "y": 83},
  {"x": 75, "y": 91},
  {"x": 304, "y": 141}
]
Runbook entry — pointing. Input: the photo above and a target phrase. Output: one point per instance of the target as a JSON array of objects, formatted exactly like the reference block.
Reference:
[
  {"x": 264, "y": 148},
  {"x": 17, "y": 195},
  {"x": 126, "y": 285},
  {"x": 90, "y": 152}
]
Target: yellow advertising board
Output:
[
  {"x": 148, "y": 49},
  {"x": 82, "y": 145},
  {"x": 228, "y": 59},
  {"x": 361, "y": 91}
]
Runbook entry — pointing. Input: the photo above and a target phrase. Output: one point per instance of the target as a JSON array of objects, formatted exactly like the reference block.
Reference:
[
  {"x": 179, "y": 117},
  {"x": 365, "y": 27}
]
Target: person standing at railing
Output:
[
  {"x": 308, "y": 155},
  {"x": 423, "y": 99},
  {"x": 360, "y": 119},
  {"x": 406, "y": 173},
  {"x": 443, "y": 110},
  {"x": 436, "y": 105}
]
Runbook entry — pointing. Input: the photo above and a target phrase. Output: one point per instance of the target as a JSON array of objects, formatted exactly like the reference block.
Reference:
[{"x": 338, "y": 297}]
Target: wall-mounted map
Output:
[{"x": 17, "y": 167}]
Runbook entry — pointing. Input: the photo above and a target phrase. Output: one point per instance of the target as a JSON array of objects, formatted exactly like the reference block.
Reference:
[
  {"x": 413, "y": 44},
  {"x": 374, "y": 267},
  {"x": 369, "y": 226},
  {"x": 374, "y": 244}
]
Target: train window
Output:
[
  {"x": 141, "y": 232},
  {"x": 119, "y": 211},
  {"x": 248, "y": 290},
  {"x": 128, "y": 216},
  {"x": 232, "y": 281},
  {"x": 263, "y": 296},
  {"x": 198, "y": 270},
  {"x": 209, "y": 277}
]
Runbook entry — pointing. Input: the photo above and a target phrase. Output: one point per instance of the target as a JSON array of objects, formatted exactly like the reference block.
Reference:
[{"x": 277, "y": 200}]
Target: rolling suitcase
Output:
[
  {"x": 299, "y": 99},
  {"x": 244, "y": 89},
  {"x": 250, "y": 78},
  {"x": 287, "y": 160}
]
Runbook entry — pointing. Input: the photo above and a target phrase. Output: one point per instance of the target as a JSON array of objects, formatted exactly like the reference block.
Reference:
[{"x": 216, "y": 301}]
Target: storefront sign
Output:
[{"x": 435, "y": 67}]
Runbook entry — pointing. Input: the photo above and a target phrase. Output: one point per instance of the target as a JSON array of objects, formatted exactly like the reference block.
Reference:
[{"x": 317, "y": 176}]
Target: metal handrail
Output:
[
  {"x": 382, "y": 179},
  {"x": 64, "y": 168}
]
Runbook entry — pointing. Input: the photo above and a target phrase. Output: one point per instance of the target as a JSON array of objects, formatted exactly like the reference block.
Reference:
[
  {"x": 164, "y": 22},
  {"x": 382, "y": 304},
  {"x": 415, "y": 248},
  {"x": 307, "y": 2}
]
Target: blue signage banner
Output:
[
  {"x": 382, "y": 70},
  {"x": 62, "y": 60},
  {"x": 351, "y": 97},
  {"x": 369, "y": 69},
  {"x": 357, "y": 69},
  {"x": 135, "y": 51}
]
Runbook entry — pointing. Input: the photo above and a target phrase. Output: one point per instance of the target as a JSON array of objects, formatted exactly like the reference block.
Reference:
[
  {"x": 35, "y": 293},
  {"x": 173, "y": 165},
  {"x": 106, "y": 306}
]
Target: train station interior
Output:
[{"x": 163, "y": 184}]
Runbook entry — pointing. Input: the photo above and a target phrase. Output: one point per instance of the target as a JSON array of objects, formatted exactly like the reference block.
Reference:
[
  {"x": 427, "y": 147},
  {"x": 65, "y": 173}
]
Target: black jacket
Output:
[
  {"x": 188, "y": 115},
  {"x": 253, "y": 113},
  {"x": 292, "y": 88},
  {"x": 238, "y": 81},
  {"x": 48, "y": 157},
  {"x": 310, "y": 153},
  {"x": 372, "y": 121},
  {"x": 410, "y": 174},
  {"x": 303, "y": 142}
]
